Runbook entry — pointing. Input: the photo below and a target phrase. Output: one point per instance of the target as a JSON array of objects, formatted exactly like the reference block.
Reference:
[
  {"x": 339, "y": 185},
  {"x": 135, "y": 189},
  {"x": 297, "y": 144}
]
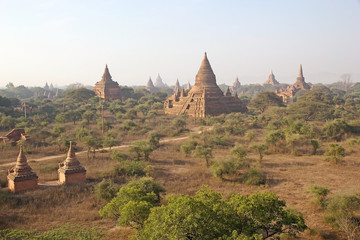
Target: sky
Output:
[{"x": 70, "y": 41}]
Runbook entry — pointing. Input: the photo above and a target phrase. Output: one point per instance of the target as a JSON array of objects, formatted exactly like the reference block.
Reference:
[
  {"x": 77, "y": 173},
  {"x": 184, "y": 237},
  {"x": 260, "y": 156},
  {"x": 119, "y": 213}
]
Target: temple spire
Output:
[
  {"x": 205, "y": 74},
  {"x": 301, "y": 71},
  {"x": 21, "y": 160},
  {"x": 71, "y": 153}
]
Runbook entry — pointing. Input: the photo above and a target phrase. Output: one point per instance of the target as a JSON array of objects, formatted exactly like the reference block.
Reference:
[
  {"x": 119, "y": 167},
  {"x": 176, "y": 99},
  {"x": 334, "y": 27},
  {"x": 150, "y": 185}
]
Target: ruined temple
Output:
[
  {"x": 236, "y": 85},
  {"x": 150, "y": 86},
  {"x": 271, "y": 79},
  {"x": 290, "y": 91},
  {"x": 177, "y": 86},
  {"x": 70, "y": 170},
  {"x": 14, "y": 136},
  {"x": 106, "y": 88},
  {"x": 205, "y": 97},
  {"x": 21, "y": 177}
]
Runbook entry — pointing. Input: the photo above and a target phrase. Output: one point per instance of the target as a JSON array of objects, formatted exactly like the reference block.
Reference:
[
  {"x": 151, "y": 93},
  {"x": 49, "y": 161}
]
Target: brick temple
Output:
[
  {"x": 106, "y": 88},
  {"x": 271, "y": 80},
  {"x": 205, "y": 97},
  {"x": 290, "y": 91},
  {"x": 70, "y": 170},
  {"x": 21, "y": 177}
]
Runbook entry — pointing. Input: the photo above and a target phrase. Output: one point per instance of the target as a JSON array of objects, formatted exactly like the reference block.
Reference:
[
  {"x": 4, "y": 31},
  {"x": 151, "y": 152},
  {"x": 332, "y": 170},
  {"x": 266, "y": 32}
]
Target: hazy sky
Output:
[{"x": 68, "y": 41}]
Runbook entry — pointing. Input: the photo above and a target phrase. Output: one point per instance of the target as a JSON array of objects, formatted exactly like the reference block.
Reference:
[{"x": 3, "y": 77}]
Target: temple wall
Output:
[
  {"x": 29, "y": 184},
  {"x": 79, "y": 177}
]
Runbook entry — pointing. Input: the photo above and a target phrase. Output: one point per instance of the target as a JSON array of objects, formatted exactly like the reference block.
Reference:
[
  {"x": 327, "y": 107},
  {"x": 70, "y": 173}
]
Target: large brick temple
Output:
[
  {"x": 205, "y": 97},
  {"x": 106, "y": 88},
  {"x": 290, "y": 91}
]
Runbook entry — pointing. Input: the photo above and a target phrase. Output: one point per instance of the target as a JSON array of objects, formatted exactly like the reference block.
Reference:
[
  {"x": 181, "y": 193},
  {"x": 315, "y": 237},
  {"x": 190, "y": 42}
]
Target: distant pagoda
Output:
[
  {"x": 158, "y": 82},
  {"x": 188, "y": 86},
  {"x": 290, "y": 91},
  {"x": 106, "y": 88},
  {"x": 150, "y": 86},
  {"x": 177, "y": 86},
  {"x": 70, "y": 170},
  {"x": 271, "y": 80},
  {"x": 205, "y": 97},
  {"x": 21, "y": 177},
  {"x": 236, "y": 85}
]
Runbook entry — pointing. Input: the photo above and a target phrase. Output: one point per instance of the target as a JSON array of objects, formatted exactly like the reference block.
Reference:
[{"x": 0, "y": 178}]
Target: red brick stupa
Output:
[
  {"x": 21, "y": 177},
  {"x": 70, "y": 170}
]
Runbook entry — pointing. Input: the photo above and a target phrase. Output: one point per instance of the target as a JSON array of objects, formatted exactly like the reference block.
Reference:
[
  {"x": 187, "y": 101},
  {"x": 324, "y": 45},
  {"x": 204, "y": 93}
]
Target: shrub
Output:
[
  {"x": 320, "y": 195},
  {"x": 188, "y": 147},
  {"x": 119, "y": 156},
  {"x": 106, "y": 190},
  {"x": 335, "y": 153},
  {"x": 254, "y": 177},
  {"x": 129, "y": 168},
  {"x": 219, "y": 167}
]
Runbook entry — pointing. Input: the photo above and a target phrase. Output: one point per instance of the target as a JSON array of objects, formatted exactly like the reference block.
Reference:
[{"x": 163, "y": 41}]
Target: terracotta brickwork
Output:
[
  {"x": 290, "y": 91},
  {"x": 205, "y": 97},
  {"x": 21, "y": 177},
  {"x": 271, "y": 79},
  {"x": 107, "y": 88},
  {"x": 70, "y": 170}
]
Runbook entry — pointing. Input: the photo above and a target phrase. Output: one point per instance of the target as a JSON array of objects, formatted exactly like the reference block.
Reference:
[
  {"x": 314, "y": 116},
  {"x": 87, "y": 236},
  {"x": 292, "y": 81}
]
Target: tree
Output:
[
  {"x": 337, "y": 129},
  {"x": 241, "y": 155},
  {"x": 342, "y": 213},
  {"x": 221, "y": 167},
  {"x": 142, "y": 149},
  {"x": 133, "y": 202},
  {"x": 89, "y": 115},
  {"x": 110, "y": 139},
  {"x": 320, "y": 195},
  {"x": 154, "y": 139},
  {"x": 335, "y": 153},
  {"x": 264, "y": 100},
  {"x": 274, "y": 138},
  {"x": 208, "y": 216},
  {"x": 315, "y": 144},
  {"x": 259, "y": 148},
  {"x": 203, "y": 152},
  {"x": 92, "y": 142}
]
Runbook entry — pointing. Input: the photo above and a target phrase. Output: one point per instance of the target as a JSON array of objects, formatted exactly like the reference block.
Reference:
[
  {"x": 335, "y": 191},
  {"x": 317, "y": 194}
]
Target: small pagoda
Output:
[
  {"x": 150, "y": 86},
  {"x": 21, "y": 177},
  {"x": 70, "y": 170},
  {"x": 205, "y": 97}
]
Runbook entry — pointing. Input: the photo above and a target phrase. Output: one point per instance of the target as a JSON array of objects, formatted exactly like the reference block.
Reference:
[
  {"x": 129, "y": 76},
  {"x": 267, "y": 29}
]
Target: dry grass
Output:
[{"x": 288, "y": 176}]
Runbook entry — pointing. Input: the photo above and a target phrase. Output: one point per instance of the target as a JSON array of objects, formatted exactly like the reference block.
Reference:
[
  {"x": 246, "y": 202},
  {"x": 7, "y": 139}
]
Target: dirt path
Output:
[{"x": 84, "y": 152}]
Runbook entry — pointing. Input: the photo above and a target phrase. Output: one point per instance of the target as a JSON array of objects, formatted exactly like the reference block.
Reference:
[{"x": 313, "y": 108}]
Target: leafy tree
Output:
[
  {"x": 188, "y": 147},
  {"x": 342, "y": 213},
  {"x": 335, "y": 153},
  {"x": 315, "y": 145},
  {"x": 110, "y": 139},
  {"x": 264, "y": 100},
  {"x": 294, "y": 140},
  {"x": 240, "y": 154},
  {"x": 79, "y": 95},
  {"x": 133, "y": 202},
  {"x": 221, "y": 167},
  {"x": 313, "y": 105},
  {"x": 106, "y": 190},
  {"x": 154, "y": 139},
  {"x": 336, "y": 129},
  {"x": 142, "y": 149},
  {"x": 203, "y": 152},
  {"x": 92, "y": 142},
  {"x": 89, "y": 115},
  {"x": 274, "y": 139},
  {"x": 254, "y": 177},
  {"x": 178, "y": 125},
  {"x": 259, "y": 148},
  {"x": 208, "y": 216}
]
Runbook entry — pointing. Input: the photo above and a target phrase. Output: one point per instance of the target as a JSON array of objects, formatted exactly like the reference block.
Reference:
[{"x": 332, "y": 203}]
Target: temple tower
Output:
[
  {"x": 21, "y": 177},
  {"x": 158, "y": 82},
  {"x": 177, "y": 86},
  {"x": 236, "y": 85},
  {"x": 271, "y": 79},
  {"x": 150, "y": 86},
  {"x": 106, "y": 88},
  {"x": 70, "y": 170},
  {"x": 188, "y": 86},
  {"x": 204, "y": 98},
  {"x": 300, "y": 80}
]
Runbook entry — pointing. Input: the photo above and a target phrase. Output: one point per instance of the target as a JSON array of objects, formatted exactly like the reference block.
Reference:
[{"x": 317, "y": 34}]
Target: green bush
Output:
[
  {"x": 336, "y": 153},
  {"x": 219, "y": 167},
  {"x": 129, "y": 168},
  {"x": 320, "y": 195},
  {"x": 119, "y": 156},
  {"x": 106, "y": 189},
  {"x": 254, "y": 177}
]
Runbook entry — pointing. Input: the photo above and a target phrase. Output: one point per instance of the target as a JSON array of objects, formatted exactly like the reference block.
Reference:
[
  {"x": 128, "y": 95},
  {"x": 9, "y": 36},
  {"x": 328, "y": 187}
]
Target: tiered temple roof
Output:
[
  {"x": 150, "y": 86},
  {"x": 21, "y": 177},
  {"x": 106, "y": 88},
  {"x": 236, "y": 85},
  {"x": 290, "y": 91},
  {"x": 70, "y": 170},
  {"x": 204, "y": 98},
  {"x": 271, "y": 79},
  {"x": 158, "y": 82}
]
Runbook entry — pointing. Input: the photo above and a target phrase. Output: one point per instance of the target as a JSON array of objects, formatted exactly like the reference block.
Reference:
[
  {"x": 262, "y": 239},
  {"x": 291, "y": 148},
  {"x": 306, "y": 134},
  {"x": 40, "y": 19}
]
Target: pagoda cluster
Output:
[{"x": 21, "y": 177}]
